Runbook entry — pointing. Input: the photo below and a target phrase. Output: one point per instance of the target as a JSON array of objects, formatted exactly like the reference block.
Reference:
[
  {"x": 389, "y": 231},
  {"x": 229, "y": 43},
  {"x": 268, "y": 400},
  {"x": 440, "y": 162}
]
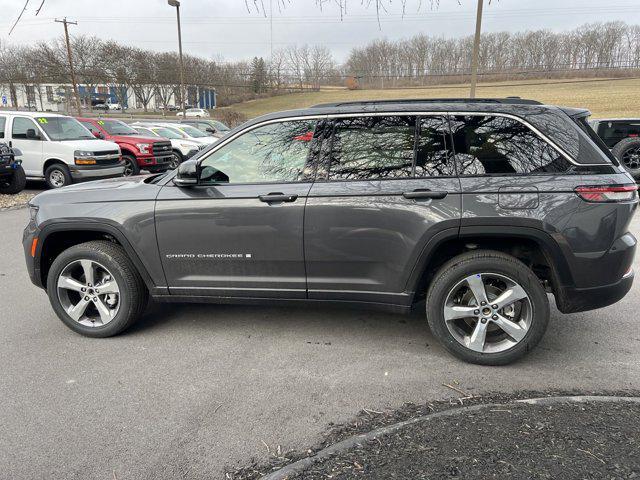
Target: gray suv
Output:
[{"x": 478, "y": 209}]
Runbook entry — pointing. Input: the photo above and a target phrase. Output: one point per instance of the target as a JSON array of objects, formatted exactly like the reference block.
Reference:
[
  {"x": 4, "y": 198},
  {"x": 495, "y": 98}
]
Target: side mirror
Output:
[
  {"x": 187, "y": 175},
  {"x": 31, "y": 134},
  {"x": 210, "y": 130},
  {"x": 97, "y": 134}
]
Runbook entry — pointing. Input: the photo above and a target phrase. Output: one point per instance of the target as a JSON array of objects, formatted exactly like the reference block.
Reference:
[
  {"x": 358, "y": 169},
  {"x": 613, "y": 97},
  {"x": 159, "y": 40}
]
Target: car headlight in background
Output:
[
  {"x": 84, "y": 157},
  {"x": 143, "y": 147}
]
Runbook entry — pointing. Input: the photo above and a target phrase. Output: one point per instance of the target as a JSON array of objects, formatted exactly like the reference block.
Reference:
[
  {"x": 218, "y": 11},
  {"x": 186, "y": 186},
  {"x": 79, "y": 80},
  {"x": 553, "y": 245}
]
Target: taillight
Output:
[{"x": 607, "y": 193}]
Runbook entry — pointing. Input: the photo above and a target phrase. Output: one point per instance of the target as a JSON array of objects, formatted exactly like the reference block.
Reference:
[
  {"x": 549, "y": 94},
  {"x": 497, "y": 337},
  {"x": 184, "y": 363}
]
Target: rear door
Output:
[
  {"x": 239, "y": 233},
  {"x": 388, "y": 189},
  {"x": 26, "y": 136}
]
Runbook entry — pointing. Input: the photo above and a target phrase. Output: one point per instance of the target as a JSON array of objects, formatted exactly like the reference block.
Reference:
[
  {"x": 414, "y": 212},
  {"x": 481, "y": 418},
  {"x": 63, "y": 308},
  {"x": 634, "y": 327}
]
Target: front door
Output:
[
  {"x": 389, "y": 189},
  {"x": 26, "y": 136},
  {"x": 240, "y": 231}
]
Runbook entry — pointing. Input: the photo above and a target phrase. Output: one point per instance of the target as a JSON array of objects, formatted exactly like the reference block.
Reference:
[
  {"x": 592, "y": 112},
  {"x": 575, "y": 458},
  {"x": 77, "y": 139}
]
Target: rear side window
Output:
[
  {"x": 3, "y": 122},
  {"x": 433, "y": 149},
  {"x": 495, "y": 145},
  {"x": 21, "y": 125}
]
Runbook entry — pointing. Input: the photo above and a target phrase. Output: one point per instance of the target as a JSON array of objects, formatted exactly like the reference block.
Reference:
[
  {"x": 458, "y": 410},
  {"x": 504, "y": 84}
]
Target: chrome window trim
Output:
[{"x": 541, "y": 135}]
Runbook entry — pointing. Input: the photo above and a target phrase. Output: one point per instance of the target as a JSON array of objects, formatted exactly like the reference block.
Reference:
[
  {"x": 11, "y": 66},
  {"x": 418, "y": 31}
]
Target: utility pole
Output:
[
  {"x": 476, "y": 51},
  {"x": 176, "y": 3},
  {"x": 65, "y": 22}
]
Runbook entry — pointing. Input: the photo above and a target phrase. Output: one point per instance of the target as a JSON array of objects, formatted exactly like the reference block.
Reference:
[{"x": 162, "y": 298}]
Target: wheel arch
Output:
[
  {"x": 534, "y": 247},
  {"x": 52, "y": 161},
  {"x": 55, "y": 238}
]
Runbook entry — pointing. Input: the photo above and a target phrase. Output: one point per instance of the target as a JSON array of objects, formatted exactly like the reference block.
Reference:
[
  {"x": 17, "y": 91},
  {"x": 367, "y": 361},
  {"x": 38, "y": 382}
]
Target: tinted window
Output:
[
  {"x": 273, "y": 153},
  {"x": 20, "y": 127},
  {"x": 500, "y": 145},
  {"x": 613, "y": 132},
  {"x": 372, "y": 147},
  {"x": 3, "y": 122},
  {"x": 433, "y": 151}
]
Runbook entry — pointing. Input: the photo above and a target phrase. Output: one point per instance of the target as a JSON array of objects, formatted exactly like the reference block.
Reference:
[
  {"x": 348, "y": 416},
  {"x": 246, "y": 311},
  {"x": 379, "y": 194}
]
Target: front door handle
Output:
[
  {"x": 277, "y": 197},
  {"x": 421, "y": 193}
]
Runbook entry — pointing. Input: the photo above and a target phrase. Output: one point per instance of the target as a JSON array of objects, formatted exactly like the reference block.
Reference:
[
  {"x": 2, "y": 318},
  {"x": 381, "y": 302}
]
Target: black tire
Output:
[
  {"x": 131, "y": 166},
  {"x": 480, "y": 261},
  {"x": 627, "y": 151},
  {"x": 133, "y": 293},
  {"x": 57, "y": 176},
  {"x": 176, "y": 160},
  {"x": 14, "y": 183}
]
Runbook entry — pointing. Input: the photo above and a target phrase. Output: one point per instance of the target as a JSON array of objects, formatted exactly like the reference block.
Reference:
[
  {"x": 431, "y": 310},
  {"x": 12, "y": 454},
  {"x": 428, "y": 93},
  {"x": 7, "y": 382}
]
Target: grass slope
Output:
[{"x": 604, "y": 97}]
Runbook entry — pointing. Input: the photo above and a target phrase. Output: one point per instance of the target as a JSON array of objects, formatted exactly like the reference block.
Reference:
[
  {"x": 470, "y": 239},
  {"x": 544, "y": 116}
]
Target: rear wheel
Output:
[
  {"x": 627, "y": 151},
  {"x": 15, "y": 183},
  {"x": 487, "y": 307},
  {"x": 130, "y": 166},
  {"x": 95, "y": 289},
  {"x": 57, "y": 176}
]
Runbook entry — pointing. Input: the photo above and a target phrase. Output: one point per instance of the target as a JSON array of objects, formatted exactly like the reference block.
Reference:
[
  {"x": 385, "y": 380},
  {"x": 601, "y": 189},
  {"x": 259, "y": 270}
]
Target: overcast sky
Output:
[{"x": 224, "y": 29}]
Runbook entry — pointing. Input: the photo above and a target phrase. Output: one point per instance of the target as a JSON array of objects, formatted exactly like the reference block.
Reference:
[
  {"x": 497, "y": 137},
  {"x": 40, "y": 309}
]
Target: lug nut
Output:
[
  {"x": 86, "y": 299},
  {"x": 483, "y": 303},
  {"x": 495, "y": 307},
  {"x": 476, "y": 312},
  {"x": 95, "y": 299},
  {"x": 483, "y": 320},
  {"x": 495, "y": 317},
  {"x": 83, "y": 289}
]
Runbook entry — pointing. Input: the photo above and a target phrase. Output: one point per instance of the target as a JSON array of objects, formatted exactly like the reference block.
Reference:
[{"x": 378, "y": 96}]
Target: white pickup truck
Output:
[{"x": 58, "y": 149}]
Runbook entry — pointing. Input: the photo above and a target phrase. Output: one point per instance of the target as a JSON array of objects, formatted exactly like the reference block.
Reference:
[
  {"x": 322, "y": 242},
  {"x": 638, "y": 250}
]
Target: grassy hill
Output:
[{"x": 604, "y": 97}]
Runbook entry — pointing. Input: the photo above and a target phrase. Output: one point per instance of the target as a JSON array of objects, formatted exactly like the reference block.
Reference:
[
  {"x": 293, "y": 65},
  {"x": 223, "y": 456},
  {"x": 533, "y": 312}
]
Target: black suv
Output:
[
  {"x": 622, "y": 136},
  {"x": 12, "y": 176},
  {"x": 477, "y": 208}
]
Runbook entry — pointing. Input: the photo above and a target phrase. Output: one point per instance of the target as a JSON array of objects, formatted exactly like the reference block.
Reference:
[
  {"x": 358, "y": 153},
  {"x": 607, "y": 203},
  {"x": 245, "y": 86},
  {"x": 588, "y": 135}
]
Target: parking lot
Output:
[{"x": 194, "y": 388}]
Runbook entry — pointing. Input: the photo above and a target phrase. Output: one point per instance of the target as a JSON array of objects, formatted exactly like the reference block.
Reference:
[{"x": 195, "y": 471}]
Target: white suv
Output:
[
  {"x": 194, "y": 112},
  {"x": 58, "y": 148}
]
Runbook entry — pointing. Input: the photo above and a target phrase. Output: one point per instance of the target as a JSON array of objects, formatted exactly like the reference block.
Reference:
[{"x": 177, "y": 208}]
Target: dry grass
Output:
[{"x": 604, "y": 97}]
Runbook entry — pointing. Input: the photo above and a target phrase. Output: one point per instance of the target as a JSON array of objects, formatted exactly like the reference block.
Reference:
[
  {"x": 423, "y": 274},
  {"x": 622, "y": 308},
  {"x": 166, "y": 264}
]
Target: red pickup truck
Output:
[{"x": 139, "y": 152}]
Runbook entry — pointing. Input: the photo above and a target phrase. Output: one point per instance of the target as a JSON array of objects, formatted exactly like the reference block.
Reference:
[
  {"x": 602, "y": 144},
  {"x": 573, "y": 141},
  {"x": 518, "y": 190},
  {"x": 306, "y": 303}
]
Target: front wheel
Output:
[
  {"x": 130, "y": 166},
  {"x": 176, "y": 159},
  {"x": 14, "y": 183},
  {"x": 487, "y": 307},
  {"x": 95, "y": 289},
  {"x": 57, "y": 176}
]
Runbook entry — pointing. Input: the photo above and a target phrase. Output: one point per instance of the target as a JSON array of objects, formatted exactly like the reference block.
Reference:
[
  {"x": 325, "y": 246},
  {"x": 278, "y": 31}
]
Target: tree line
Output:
[{"x": 419, "y": 60}]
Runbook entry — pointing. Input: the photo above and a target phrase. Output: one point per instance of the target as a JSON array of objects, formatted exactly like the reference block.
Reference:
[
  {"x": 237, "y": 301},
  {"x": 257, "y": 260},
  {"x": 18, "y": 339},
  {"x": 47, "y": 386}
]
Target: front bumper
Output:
[
  {"x": 33, "y": 267},
  {"x": 154, "y": 163},
  {"x": 92, "y": 172}
]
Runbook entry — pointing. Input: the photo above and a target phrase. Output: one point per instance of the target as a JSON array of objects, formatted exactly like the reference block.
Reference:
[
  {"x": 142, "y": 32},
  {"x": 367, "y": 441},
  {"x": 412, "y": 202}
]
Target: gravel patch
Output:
[
  {"x": 15, "y": 201},
  {"x": 505, "y": 439}
]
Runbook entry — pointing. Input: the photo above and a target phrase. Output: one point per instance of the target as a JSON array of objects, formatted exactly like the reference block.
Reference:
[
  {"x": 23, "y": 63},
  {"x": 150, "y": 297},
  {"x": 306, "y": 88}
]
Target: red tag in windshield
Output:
[{"x": 307, "y": 137}]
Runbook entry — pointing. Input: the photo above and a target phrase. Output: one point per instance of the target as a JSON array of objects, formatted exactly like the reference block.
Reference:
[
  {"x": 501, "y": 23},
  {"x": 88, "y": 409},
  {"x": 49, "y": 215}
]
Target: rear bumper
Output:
[
  {"x": 581, "y": 299},
  {"x": 92, "y": 172}
]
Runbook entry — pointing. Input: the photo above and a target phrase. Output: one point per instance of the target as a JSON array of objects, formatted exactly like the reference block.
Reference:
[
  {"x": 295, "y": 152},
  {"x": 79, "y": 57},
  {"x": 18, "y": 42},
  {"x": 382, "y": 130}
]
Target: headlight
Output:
[
  {"x": 143, "y": 147},
  {"x": 33, "y": 212},
  {"x": 84, "y": 157}
]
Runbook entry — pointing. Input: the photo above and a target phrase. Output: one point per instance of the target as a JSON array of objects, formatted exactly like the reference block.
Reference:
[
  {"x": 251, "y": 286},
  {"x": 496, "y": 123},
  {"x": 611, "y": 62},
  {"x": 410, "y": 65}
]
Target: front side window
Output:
[
  {"x": 375, "y": 147},
  {"x": 64, "y": 128},
  {"x": 90, "y": 126},
  {"x": 3, "y": 122},
  {"x": 272, "y": 153},
  {"x": 192, "y": 131},
  {"x": 495, "y": 145},
  {"x": 116, "y": 127},
  {"x": 20, "y": 127},
  {"x": 167, "y": 133}
]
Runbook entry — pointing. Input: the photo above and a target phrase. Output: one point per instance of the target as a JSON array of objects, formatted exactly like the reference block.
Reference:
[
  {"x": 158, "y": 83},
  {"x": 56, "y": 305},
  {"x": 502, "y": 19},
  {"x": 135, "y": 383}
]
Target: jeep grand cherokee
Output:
[{"x": 478, "y": 208}]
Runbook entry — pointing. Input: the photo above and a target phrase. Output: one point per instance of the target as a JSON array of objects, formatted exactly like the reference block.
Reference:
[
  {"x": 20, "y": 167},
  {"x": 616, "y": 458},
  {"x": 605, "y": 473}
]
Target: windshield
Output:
[
  {"x": 116, "y": 127},
  {"x": 167, "y": 133},
  {"x": 64, "y": 128},
  {"x": 219, "y": 126},
  {"x": 192, "y": 131}
]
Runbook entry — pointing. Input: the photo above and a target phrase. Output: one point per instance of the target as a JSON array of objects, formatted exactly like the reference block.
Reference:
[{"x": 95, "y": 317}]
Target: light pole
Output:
[
  {"x": 476, "y": 51},
  {"x": 176, "y": 3}
]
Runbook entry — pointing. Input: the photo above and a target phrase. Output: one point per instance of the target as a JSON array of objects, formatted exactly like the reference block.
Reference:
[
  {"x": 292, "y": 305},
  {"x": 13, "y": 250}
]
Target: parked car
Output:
[
  {"x": 58, "y": 149},
  {"x": 101, "y": 106},
  {"x": 12, "y": 177},
  {"x": 478, "y": 208},
  {"x": 138, "y": 152},
  {"x": 183, "y": 149},
  {"x": 194, "y": 112},
  {"x": 189, "y": 133},
  {"x": 622, "y": 136},
  {"x": 214, "y": 128},
  {"x": 114, "y": 106}
]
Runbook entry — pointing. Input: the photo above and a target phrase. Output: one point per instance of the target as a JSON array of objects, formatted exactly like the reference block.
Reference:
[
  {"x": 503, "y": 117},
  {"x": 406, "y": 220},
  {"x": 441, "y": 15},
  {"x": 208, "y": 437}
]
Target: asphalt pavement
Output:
[{"x": 191, "y": 389}]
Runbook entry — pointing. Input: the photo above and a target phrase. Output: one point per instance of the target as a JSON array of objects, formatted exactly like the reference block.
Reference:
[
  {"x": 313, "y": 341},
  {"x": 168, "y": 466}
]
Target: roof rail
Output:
[{"x": 507, "y": 100}]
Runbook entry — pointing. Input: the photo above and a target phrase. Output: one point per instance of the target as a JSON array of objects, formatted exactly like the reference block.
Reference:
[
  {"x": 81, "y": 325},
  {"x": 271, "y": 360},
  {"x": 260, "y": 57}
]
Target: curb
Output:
[{"x": 298, "y": 466}]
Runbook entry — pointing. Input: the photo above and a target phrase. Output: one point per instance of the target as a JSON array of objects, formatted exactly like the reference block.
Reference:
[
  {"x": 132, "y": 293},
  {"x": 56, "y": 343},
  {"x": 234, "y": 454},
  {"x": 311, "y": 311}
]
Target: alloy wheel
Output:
[
  {"x": 488, "y": 312},
  {"x": 88, "y": 292},
  {"x": 56, "y": 178},
  {"x": 128, "y": 168},
  {"x": 175, "y": 161},
  {"x": 631, "y": 158}
]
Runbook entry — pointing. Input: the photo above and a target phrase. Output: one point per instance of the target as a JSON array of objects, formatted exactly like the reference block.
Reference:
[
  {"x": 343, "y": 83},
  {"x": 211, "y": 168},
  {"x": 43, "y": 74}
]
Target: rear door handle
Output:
[
  {"x": 418, "y": 194},
  {"x": 277, "y": 197}
]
